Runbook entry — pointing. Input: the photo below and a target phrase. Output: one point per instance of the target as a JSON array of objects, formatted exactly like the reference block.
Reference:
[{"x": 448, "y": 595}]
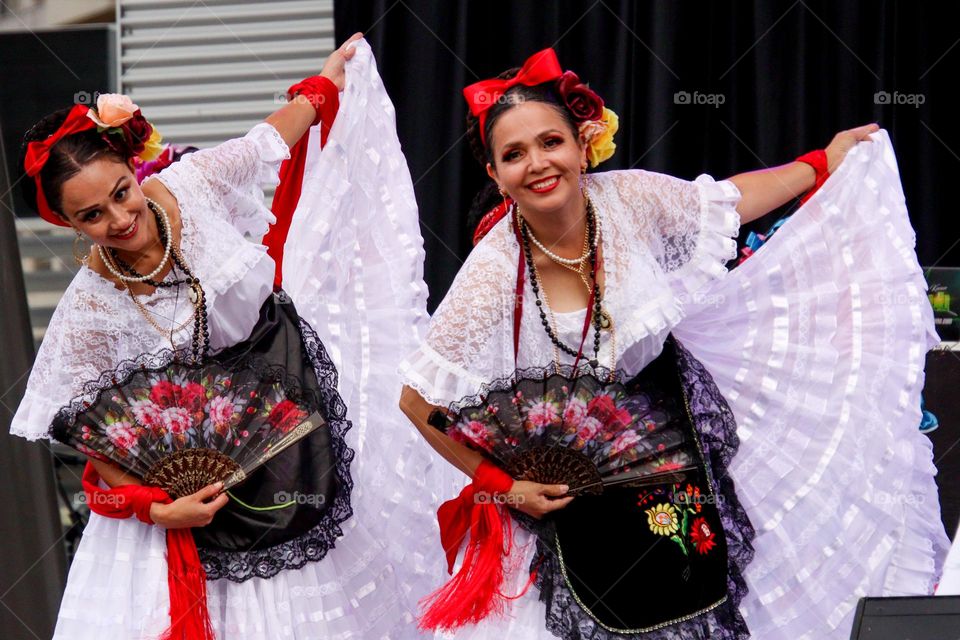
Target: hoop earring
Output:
[
  {"x": 503, "y": 194},
  {"x": 78, "y": 257}
]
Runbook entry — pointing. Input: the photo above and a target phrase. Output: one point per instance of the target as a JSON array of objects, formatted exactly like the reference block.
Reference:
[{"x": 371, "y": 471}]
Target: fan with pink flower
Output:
[
  {"x": 184, "y": 426},
  {"x": 582, "y": 430}
]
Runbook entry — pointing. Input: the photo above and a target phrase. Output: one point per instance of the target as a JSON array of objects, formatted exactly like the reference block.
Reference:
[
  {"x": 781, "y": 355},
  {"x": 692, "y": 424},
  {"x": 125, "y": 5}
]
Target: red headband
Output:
[
  {"x": 541, "y": 67},
  {"x": 39, "y": 152}
]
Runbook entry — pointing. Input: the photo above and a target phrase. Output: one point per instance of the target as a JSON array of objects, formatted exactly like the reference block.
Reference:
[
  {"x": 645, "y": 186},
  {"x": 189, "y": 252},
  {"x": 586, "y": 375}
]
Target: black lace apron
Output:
[
  {"x": 289, "y": 511},
  {"x": 658, "y": 561}
]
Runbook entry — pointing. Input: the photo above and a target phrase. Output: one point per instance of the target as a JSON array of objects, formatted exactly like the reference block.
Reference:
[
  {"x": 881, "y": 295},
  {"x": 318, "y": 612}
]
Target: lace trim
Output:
[
  {"x": 534, "y": 373},
  {"x": 314, "y": 545},
  {"x": 716, "y": 244},
  {"x": 716, "y": 427}
]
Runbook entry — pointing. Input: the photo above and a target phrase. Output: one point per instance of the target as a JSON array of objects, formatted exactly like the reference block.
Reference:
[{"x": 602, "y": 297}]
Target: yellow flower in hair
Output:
[
  {"x": 600, "y": 145},
  {"x": 663, "y": 519},
  {"x": 153, "y": 148}
]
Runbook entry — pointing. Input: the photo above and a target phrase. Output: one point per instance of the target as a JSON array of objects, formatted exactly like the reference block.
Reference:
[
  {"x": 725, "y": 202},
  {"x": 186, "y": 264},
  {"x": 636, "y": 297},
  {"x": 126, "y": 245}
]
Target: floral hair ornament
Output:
[
  {"x": 125, "y": 128},
  {"x": 598, "y": 136},
  {"x": 597, "y": 124},
  {"x": 120, "y": 123}
]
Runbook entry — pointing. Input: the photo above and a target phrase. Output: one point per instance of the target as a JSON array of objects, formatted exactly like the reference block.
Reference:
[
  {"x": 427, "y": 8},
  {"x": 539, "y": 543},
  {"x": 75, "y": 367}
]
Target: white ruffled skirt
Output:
[
  {"x": 353, "y": 267},
  {"x": 817, "y": 342}
]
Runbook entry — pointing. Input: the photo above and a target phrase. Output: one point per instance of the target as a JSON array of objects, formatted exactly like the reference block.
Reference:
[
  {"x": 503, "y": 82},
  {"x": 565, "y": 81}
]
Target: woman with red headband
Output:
[
  {"x": 293, "y": 552},
  {"x": 801, "y": 371}
]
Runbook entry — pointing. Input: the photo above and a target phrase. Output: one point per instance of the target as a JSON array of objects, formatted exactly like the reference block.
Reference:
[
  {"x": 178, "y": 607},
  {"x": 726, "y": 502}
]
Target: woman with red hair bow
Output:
[
  {"x": 802, "y": 369},
  {"x": 177, "y": 268}
]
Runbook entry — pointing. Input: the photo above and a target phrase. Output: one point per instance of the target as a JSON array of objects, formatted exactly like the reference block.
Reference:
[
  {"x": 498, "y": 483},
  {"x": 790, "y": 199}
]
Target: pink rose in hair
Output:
[{"x": 113, "y": 109}]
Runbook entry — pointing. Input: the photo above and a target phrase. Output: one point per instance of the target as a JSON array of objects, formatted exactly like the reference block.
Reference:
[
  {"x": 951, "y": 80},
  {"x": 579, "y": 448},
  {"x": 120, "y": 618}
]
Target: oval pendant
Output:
[
  {"x": 605, "y": 320},
  {"x": 194, "y": 296}
]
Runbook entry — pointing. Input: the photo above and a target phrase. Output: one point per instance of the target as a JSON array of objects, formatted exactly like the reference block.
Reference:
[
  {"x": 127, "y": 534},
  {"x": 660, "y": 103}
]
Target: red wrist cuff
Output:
[
  {"x": 491, "y": 479},
  {"x": 320, "y": 92},
  {"x": 818, "y": 160},
  {"x": 120, "y": 502}
]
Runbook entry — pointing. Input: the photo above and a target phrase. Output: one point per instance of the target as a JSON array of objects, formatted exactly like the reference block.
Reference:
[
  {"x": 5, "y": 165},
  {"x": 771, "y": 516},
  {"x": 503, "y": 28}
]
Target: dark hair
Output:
[
  {"x": 67, "y": 157},
  {"x": 546, "y": 93}
]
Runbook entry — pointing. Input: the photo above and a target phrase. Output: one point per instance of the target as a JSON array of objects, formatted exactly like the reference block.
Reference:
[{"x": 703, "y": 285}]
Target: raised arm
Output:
[
  {"x": 765, "y": 190},
  {"x": 294, "y": 119}
]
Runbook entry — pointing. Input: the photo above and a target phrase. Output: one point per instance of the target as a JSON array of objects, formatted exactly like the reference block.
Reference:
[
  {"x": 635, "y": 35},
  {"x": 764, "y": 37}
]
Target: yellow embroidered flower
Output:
[
  {"x": 663, "y": 520},
  {"x": 601, "y": 146},
  {"x": 153, "y": 147}
]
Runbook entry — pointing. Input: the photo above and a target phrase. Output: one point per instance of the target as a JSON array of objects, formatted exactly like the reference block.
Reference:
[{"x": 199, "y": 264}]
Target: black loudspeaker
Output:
[{"x": 915, "y": 618}]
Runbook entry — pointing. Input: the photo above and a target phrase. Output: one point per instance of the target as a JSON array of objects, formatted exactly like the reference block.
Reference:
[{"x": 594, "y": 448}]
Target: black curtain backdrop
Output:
[{"x": 773, "y": 79}]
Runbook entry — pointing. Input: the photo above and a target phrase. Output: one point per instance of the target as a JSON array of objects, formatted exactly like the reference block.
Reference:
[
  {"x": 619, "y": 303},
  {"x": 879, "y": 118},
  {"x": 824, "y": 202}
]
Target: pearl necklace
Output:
[
  {"x": 568, "y": 262},
  {"x": 108, "y": 261}
]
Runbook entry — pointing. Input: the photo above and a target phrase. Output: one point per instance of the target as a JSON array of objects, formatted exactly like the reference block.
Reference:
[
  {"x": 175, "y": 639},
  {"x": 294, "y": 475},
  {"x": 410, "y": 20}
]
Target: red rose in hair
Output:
[
  {"x": 166, "y": 394},
  {"x": 579, "y": 98},
  {"x": 285, "y": 416},
  {"x": 135, "y": 134}
]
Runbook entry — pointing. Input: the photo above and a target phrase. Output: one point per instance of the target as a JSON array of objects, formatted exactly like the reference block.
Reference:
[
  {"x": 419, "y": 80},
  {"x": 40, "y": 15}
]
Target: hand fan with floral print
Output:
[
  {"x": 582, "y": 430},
  {"x": 184, "y": 426}
]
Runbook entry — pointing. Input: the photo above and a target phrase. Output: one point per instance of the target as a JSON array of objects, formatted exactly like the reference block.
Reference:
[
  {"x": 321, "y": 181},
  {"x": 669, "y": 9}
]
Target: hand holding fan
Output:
[
  {"x": 576, "y": 429},
  {"x": 185, "y": 426}
]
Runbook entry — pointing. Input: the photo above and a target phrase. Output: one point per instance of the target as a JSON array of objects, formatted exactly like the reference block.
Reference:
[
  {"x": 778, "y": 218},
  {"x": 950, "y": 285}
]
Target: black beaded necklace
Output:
[
  {"x": 597, "y": 298},
  {"x": 200, "y": 344}
]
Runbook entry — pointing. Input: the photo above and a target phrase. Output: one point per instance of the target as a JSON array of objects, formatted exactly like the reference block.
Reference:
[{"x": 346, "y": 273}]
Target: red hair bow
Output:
[
  {"x": 39, "y": 152},
  {"x": 541, "y": 67}
]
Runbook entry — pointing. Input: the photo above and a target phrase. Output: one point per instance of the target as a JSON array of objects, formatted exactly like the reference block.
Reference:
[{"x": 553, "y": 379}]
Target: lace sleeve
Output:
[
  {"x": 466, "y": 342},
  {"x": 228, "y": 179},
  {"x": 689, "y": 227},
  {"x": 80, "y": 343}
]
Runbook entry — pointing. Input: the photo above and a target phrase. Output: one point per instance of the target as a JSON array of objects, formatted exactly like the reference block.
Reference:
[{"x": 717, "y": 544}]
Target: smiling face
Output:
[
  {"x": 104, "y": 202},
  {"x": 537, "y": 159}
]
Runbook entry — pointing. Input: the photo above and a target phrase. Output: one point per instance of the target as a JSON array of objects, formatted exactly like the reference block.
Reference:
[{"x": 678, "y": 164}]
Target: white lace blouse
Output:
[
  {"x": 663, "y": 239},
  {"x": 96, "y": 325}
]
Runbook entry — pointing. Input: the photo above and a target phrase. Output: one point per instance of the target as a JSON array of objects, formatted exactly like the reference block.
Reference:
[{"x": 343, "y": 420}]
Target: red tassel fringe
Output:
[
  {"x": 474, "y": 592},
  {"x": 187, "y": 583},
  {"x": 186, "y": 579}
]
